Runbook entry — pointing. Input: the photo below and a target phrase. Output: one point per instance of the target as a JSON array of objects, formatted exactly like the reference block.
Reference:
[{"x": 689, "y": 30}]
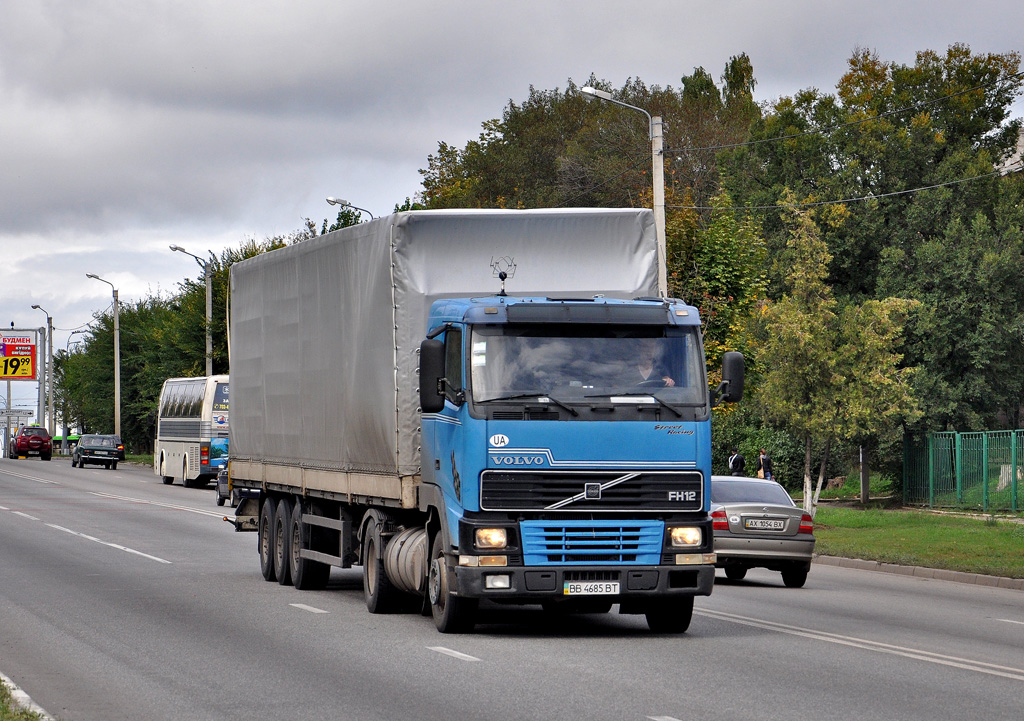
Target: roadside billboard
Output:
[{"x": 17, "y": 356}]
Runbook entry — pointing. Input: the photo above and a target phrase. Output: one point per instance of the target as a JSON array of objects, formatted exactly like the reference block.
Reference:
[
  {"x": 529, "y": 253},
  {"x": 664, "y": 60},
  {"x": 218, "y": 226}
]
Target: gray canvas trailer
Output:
[{"x": 325, "y": 334}]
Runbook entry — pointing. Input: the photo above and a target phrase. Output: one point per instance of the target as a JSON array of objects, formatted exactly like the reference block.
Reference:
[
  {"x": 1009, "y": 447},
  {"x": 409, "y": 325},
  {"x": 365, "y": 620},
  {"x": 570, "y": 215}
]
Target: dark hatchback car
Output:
[
  {"x": 757, "y": 525},
  {"x": 31, "y": 441},
  {"x": 101, "y": 450}
]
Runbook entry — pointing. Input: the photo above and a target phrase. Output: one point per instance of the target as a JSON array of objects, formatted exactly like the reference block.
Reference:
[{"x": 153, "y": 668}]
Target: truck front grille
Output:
[
  {"x": 547, "y": 543},
  {"x": 591, "y": 491}
]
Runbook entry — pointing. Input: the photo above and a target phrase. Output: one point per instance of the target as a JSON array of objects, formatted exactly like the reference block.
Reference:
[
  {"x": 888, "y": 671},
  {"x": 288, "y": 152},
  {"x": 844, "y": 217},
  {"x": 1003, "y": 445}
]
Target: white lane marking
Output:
[
  {"x": 967, "y": 664},
  {"x": 157, "y": 503},
  {"x": 4, "y": 508},
  {"x": 24, "y": 515},
  {"x": 31, "y": 478},
  {"x": 311, "y": 609},
  {"x": 1008, "y": 620},
  {"x": 453, "y": 654},
  {"x": 663, "y": 718},
  {"x": 106, "y": 543}
]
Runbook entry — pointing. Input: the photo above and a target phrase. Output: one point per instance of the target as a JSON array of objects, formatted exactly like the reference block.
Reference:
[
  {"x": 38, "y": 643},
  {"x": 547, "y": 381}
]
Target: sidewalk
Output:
[{"x": 939, "y": 574}]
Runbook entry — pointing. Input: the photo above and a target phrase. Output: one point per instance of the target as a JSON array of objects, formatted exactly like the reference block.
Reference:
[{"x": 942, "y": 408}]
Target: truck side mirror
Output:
[
  {"x": 431, "y": 376},
  {"x": 732, "y": 376}
]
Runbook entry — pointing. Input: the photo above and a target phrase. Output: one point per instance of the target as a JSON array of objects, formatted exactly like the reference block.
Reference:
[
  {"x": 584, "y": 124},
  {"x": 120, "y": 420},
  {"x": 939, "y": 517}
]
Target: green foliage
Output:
[
  {"x": 834, "y": 373},
  {"x": 10, "y": 712},
  {"x": 724, "y": 273}
]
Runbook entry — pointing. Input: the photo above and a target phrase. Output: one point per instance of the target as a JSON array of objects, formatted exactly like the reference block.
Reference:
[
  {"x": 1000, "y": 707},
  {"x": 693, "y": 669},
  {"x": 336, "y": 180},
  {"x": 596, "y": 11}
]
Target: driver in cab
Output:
[{"x": 649, "y": 371}]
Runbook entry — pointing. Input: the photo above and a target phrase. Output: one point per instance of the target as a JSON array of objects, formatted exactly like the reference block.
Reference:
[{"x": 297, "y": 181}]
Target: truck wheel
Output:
[
  {"x": 266, "y": 540},
  {"x": 794, "y": 577},
  {"x": 282, "y": 541},
  {"x": 451, "y": 613},
  {"x": 381, "y": 596},
  {"x": 220, "y": 499},
  {"x": 670, "y": 616},
  {"x": 735, "y": 573},
  {"x": 306, "y": 574}
]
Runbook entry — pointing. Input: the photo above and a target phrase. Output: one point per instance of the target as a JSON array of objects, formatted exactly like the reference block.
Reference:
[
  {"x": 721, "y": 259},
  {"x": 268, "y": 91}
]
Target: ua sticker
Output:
[{"x": 499, "y": 441}]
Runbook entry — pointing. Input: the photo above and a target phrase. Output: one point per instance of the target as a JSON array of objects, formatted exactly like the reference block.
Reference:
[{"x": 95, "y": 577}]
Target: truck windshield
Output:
[{"x": 583, "y": 362}]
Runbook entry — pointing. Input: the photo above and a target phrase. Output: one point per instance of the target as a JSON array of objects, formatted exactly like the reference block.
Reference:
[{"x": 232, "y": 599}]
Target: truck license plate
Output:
[{"x": 590, "y": 588}]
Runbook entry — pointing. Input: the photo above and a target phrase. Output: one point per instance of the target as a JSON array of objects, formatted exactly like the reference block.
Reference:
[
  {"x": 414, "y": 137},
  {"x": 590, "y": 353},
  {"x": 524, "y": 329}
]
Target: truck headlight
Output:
[
  {"x": 487, "y": 538},
  {"x": 685, "y": 537}
]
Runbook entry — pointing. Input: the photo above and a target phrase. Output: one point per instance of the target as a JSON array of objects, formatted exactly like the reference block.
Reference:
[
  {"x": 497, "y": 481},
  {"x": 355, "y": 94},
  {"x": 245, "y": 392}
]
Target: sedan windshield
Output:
[{"x": 587, "y": 361}]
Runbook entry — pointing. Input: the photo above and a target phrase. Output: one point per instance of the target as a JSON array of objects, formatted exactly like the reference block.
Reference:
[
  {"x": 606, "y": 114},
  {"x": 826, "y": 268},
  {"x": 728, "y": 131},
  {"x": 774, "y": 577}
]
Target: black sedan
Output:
[
  {"x": 757, "y": 525},
  {"x": 101, "y": 450}
]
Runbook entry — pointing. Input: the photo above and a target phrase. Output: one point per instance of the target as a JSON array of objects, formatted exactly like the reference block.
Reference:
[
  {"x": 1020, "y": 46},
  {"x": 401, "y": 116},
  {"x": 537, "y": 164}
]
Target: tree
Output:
[
  {"x": 890, "y": 128},
  {"x": 831, "y": 370}
]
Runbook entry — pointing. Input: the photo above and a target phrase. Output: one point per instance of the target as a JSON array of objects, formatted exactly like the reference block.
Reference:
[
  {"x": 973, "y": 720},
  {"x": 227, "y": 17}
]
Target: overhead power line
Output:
[{"x": 858, "y": 199}]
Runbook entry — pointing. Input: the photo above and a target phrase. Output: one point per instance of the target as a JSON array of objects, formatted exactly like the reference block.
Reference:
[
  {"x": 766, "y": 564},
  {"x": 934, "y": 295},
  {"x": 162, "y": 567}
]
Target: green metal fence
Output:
[{"x": 982, "y": 470}]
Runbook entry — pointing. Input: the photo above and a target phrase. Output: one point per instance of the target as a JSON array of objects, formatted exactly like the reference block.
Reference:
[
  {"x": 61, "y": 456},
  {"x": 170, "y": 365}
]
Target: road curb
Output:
[
  {"x": 23, "y": 700},
  {"x": 939, "y": 574}
]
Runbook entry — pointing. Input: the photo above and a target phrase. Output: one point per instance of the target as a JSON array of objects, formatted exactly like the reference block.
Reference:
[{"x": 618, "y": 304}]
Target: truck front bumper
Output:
[{"x": 533, "y": 584}]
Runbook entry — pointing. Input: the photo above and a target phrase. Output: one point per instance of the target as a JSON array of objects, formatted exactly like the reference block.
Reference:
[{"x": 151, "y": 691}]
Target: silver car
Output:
[{"x": 757, "y": 525}]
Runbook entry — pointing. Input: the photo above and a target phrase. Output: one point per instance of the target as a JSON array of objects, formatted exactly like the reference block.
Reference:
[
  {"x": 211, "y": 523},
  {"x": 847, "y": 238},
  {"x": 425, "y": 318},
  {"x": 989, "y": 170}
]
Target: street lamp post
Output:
[
  {"x": 117, "y": 356},
  {"x": 656, "y": 133},
  {"x": 346, "y": 204},
  {"x": 49, "y": 367},
  {"x": 205, "y": 265}
]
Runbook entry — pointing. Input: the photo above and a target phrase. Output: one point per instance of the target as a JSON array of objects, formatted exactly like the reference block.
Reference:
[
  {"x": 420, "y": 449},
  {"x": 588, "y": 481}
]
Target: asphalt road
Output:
[{"x": 122, "y": 598}]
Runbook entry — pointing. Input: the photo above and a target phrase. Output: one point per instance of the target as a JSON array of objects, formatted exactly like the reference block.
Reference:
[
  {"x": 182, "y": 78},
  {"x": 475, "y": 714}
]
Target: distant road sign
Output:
[{"x": 15, "y": 413}]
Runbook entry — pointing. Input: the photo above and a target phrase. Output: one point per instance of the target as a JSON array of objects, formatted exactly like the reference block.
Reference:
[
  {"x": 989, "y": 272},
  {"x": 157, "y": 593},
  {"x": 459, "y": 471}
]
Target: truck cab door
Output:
[{"x": 447, "y": 437}]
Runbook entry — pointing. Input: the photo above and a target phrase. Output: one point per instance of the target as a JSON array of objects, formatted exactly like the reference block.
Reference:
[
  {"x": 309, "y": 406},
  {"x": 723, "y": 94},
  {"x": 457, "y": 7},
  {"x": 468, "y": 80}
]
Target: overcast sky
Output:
[{"x": 130, "y": 125}]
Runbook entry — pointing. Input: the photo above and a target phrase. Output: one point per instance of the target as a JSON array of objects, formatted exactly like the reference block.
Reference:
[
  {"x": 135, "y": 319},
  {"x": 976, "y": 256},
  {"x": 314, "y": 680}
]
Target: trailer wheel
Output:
[
  {"x": 306, "y": 573},
  {"x": 266, "y": 540},
  {"x": 670, "y": 616},
  {"x": 451, "y": 613},
  {"x": 381, "y": 596},
  {"x": 282, "y": 541}
]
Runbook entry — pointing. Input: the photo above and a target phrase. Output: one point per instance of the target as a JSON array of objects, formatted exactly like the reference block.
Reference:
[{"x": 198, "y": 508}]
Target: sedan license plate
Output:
[
  {"x": 764, "y": 524},
  {"x": 590, "y": 588}
]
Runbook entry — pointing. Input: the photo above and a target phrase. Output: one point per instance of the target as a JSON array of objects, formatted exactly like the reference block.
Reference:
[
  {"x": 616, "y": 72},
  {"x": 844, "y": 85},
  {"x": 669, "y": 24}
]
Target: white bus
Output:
[{"x": 192, "y": 430}]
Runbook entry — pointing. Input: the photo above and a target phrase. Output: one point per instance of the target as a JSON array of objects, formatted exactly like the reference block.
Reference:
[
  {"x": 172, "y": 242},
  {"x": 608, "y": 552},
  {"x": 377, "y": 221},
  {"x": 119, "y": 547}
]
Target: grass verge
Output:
[
  {"x": 9, "y": 711},
  {"x": 917, "y": 538}
]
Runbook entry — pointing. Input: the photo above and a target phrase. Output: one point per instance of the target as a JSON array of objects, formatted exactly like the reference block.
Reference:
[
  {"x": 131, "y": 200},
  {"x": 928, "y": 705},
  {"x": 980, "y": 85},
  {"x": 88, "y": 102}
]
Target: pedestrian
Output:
[
  {"x": 764, "y": 465},
  {"x": 737, "y": 463}
]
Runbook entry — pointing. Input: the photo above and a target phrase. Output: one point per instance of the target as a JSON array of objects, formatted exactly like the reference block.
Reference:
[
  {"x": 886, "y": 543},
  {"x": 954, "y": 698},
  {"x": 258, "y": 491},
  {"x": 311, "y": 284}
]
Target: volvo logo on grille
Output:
[{"x": 592, "y": 491}]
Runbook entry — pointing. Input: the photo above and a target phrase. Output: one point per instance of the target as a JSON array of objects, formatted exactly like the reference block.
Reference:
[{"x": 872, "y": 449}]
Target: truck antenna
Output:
[{"x": 502, "y": 269}]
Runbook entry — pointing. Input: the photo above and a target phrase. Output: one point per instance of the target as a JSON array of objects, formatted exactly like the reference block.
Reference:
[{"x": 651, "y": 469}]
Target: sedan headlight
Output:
[
  {"x": 489, "y": 538},
  {"x": 685, "y": 537}
]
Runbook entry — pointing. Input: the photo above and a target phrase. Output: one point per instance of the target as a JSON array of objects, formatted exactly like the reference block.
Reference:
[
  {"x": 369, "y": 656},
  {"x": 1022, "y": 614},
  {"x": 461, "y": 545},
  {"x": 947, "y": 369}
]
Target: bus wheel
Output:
[
  {"x": 307, "y": 574},
  {"x": 451, "y": 613},
  {"x": 168, "y": 480},
  {"x": 266, "y": 543},
  {"x": 282, "y": 541}
]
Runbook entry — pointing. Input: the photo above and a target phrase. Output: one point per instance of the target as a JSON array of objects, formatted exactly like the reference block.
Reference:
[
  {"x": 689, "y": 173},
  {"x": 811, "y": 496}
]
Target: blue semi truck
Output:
[{"x": 395, "y": 407}]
